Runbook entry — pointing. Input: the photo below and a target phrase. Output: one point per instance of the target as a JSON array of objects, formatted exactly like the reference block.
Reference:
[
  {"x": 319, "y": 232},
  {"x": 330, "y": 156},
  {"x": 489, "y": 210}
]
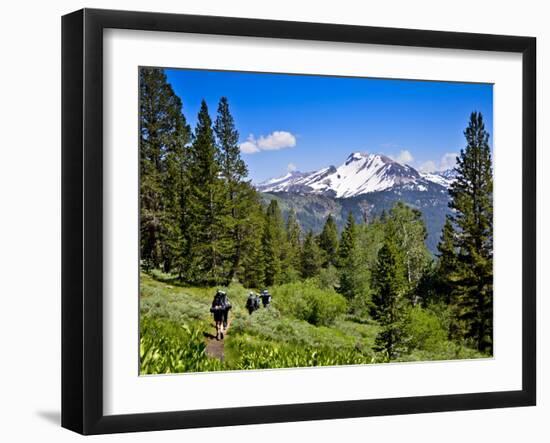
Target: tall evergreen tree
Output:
[
  {"x": 311, "y": 257},
  {"x": 251, "y": 269},
  {"x": 232, "y": 165},
  {"x": 208, "y": 209},
  {"x": 406, "y": 226},
  {"x": 234, "y": 172},
  {"x": 163, "y": 136},
  {"x": 349, "y": 261},
  {"x": 328, "y": 241},
  {"x": 273, "y": 244},
  {"x": 389, "y": 300},
  {"x": 446, "y": 264},
  {"x": 293, "y": 237},
  {"x": 472, "y": 218},
  {"x": 176, "y": 191}
]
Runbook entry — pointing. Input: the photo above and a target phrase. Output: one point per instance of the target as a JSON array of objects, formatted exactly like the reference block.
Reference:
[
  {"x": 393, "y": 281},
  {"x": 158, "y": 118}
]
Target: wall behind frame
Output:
[{"x": 30, "y": 109}]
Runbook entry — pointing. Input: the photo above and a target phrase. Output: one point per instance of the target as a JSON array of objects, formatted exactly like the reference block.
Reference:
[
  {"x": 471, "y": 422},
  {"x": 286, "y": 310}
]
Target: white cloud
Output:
[
  {"x": 428, "y": 166},
  {"x": 404, "y": 157},
  {"x": 272, "y": 142},
  {"x": 448, "y": 161},
  {"x": 291, "y": 167},
  {"x": 249, "y": 146},
  {"x": 277, "y": 140}
]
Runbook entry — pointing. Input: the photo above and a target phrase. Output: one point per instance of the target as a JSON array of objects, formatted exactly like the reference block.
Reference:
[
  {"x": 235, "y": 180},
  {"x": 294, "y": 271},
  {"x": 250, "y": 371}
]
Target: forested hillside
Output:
[
  {"x": 373, "y": 284},
  {"x": 312, "y": 210}
]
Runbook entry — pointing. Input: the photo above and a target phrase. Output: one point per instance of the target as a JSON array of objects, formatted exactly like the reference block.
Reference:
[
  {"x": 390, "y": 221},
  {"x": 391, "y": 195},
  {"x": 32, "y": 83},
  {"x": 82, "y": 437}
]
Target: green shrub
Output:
[
  {"x": 425, "y": 330},
  {"x": 361, "y": 307},
  {"x": 328, "y": 278},
  {"x": 270, "y": 325},
  {"x": 305, "y": 301},
  {"x": 449, "y": 351}
]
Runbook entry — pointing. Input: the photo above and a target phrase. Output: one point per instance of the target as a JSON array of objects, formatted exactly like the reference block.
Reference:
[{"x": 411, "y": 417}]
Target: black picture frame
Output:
[{"x": 82, "y": 219}]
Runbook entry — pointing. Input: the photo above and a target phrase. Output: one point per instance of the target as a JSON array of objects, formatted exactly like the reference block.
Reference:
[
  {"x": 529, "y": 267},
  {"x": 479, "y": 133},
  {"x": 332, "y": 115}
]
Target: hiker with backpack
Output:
[
  {"x": 227, "y": 307},
  {"x": 220, "y": 310},
  {"x": 252, "y": 303},
  {"x": 266, "y": 298}
]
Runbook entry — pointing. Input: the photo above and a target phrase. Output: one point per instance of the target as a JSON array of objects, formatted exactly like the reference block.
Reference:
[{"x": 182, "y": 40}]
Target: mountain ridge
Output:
[
  {"x": 361, "y": 173},
  {"x": 364, "y": 185}
]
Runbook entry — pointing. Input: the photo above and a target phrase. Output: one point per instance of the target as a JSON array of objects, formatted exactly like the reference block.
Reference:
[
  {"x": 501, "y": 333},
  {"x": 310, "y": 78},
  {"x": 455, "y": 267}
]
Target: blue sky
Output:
[{"x": 307, "y": 122}]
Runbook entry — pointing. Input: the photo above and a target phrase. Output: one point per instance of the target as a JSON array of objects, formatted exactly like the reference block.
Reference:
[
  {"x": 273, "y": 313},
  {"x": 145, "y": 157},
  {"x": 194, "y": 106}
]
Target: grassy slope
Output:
[
  {"x": 266, "y": 339},
  {"x": 175, "y": 321}
]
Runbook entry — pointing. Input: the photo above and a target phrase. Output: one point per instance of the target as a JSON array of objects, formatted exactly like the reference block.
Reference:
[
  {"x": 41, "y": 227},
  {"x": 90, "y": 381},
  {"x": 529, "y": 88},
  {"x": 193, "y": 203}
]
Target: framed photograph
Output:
[{"x": 269, "y": 221}]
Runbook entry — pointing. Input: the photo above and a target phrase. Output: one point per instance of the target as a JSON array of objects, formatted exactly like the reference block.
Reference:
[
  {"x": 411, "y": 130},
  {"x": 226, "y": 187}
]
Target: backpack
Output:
[
  {"x": 217, "y": 304},
  {"x": 226, "y": 303}
]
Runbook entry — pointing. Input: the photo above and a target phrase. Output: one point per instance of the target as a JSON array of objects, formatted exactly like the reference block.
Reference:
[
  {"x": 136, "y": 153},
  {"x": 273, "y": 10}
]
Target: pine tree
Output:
[
  {"x": 349, "y": 261},
  {"x": 163, "y": 137},
  {"x": 232, "y": 165},
  {"x": 447, "y": 263},
  {"x": 328, "y": 241},
  {"x": 176, "y": 190},
  {"x": 472, "y": 219},
  {"x": 293, "y": 238},
  {"x": 311, "y": 257},
  {"x": 389, "y": 300},
  {"x": 406, "y": 226},
  {"x": 234, "y": 172},
  {"x": 208, "y": 209},
  {"x": 251, "y": 269},
  {"x": 273, "y": 244}
]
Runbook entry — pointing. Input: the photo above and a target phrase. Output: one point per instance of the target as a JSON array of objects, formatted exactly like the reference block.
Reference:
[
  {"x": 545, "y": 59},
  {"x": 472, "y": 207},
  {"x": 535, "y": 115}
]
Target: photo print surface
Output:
[{"x": 302, "y": 220}]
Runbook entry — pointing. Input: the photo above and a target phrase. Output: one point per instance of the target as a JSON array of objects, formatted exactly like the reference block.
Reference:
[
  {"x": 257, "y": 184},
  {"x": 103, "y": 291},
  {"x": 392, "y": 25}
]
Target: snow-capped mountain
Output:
[
  {"x": 362, "y": 173},
  {"x": 443, "y": 178},
  {"x": 449, "y": 174}
]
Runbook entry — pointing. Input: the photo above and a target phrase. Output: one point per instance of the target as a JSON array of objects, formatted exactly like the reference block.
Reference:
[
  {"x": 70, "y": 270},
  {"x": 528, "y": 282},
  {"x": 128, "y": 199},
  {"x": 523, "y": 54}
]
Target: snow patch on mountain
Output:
[
  {"x": 362, "y": 173},
  {"x": 434, "y": 177}
]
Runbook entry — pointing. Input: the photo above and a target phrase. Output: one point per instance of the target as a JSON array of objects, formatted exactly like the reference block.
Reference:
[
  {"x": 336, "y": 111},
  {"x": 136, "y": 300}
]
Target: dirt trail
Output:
[{"x": 215, "y": 348}]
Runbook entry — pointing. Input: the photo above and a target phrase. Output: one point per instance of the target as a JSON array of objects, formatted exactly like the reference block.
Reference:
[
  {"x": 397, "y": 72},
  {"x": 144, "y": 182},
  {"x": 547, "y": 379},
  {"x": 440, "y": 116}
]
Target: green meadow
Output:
[{"x": 304, "y": 326}]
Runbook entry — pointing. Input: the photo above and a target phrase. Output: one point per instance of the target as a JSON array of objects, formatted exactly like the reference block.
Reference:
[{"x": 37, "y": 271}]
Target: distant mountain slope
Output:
[
  {"x": 443, "y": 178},
  {"x": 366, "y": 184},
  {"x": 361, "y": 173},
  {"x": 312, "y": 210}
]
